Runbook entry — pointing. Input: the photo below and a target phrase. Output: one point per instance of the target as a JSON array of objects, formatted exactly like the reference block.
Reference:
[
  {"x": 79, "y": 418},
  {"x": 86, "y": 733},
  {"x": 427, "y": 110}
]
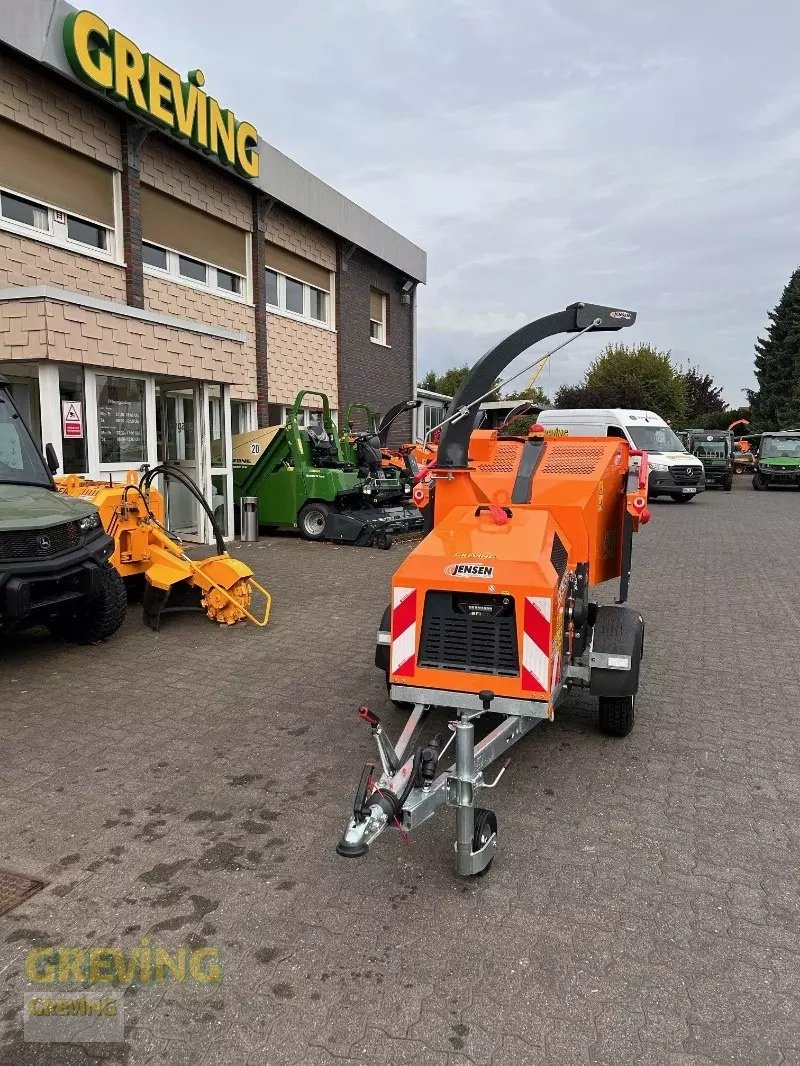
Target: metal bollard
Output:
[{"x": 249, "y": 518}]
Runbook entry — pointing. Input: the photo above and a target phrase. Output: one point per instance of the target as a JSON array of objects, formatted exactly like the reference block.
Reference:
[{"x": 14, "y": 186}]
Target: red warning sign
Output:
[{"x": 72, "y": 419}]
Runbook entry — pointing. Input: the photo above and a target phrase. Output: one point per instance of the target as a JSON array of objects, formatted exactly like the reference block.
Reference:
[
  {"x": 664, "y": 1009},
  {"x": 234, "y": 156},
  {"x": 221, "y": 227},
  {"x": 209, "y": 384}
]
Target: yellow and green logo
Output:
[{"x": 107, "y": 60}]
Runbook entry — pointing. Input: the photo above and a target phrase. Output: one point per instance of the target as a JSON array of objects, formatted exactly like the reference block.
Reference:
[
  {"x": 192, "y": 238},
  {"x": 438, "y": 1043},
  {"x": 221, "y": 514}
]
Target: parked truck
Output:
[
  {"x": 714, "y": 449},
  {"x": 778, "y": 460},
  {"x": 54, "y": 552}
]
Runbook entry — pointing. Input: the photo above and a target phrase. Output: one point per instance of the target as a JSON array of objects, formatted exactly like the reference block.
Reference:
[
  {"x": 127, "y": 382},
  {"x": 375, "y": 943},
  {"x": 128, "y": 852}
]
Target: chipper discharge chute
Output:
[
  {"x": 492, "y": 611},
  {"x": 133, "y": 514},
  {"x": 303, "y": 478}
]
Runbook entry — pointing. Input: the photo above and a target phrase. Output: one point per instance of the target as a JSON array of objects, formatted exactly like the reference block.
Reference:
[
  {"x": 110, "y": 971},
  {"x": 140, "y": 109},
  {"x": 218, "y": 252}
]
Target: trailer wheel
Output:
[
  {"x": 101, "y": 617},
  {"x": 485, "y": 829},
  {"x": 312, "y": 520},
  {"x": 616, "y": 715}
]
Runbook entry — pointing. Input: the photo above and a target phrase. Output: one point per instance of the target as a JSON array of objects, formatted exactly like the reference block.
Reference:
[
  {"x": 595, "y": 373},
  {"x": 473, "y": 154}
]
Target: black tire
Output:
[
  {"x": 759, "y": 483},
  {"x": 101, "y": 617},
  {"x": 727, "y": 484},
  {"x": 683, "y": 498},
  {"x": 740, "y": 469},
  {"x": 311, "y": 520},
  {"x": 485, "y": 828},
  {"x": 616, "y": 715}
]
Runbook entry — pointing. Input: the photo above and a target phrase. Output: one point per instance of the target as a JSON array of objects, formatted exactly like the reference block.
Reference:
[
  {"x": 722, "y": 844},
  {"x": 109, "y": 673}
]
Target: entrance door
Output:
[{"x": 179, "y": 447}]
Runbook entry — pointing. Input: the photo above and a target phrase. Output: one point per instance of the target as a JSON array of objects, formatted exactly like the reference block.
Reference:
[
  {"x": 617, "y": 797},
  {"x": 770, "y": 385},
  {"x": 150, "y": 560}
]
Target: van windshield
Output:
[
  {"x": 655, "y": 439},
  {"x": 20, "y": 462}
]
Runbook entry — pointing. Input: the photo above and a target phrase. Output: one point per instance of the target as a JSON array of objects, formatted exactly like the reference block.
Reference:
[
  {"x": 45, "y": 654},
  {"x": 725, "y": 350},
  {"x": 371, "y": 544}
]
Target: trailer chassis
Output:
[{"x": 409, "y": 788}]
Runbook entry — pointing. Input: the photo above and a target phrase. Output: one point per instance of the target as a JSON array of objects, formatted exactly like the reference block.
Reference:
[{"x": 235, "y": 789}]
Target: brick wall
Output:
[
  {"x": 27, "y": 262},
  {"x": 371, "y": 373},
  {"x": 177, "y": 173},
  {"x": 300, "y": 236},
  {"x": 50, "y": 108},
  {"x": 300, "y": 356},
  {"x": 172, "y": 298},
  {"x": 48, "y": 329}
]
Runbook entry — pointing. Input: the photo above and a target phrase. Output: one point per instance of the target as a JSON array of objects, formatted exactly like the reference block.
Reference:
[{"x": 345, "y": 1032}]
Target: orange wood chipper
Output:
[
  {"x": 133, "y": 514},
  {"x": 492, "y": 612}
]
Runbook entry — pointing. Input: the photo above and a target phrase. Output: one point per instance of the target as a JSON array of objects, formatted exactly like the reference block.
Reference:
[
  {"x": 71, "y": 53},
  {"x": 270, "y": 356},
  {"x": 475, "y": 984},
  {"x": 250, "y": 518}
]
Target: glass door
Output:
[
  {"x": 217, "y": 405},
  {"x": 178, "y": 447}
]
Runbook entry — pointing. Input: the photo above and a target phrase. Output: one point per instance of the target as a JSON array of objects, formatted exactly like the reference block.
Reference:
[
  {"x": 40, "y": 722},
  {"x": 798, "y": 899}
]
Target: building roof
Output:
[{"x": 34, "y": 28}]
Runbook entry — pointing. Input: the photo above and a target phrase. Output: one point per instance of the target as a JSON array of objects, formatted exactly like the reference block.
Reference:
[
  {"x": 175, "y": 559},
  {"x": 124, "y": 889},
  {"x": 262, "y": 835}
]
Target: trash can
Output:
[{"x": 249, "y": 518}]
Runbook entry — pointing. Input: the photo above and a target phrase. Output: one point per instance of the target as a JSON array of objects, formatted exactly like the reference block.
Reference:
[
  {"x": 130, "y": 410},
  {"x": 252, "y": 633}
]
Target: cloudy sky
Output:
[{"x": 644, "y": 155}]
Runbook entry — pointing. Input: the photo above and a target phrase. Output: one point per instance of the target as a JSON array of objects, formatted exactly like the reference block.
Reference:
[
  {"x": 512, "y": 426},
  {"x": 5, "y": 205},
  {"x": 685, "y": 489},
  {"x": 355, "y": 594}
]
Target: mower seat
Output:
[{"x": 323, "y": 450}]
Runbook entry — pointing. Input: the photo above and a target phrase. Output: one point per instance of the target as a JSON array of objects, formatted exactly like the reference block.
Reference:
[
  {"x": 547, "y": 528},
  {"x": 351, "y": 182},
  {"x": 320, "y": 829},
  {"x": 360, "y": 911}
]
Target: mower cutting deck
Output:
[{"x": 491, "y": 612}]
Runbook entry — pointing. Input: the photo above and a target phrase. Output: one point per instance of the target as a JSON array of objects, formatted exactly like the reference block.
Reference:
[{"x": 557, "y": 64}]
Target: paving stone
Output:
[{"x": 644, "y": 906}]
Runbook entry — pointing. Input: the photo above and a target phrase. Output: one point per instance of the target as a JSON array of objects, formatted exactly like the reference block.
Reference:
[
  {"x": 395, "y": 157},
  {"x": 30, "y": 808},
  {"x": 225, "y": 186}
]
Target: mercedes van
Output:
[{"x": 673, "y": 471}]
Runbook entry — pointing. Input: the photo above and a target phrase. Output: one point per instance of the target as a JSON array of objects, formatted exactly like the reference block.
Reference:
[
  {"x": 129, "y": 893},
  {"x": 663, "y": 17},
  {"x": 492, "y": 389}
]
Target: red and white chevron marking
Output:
[
  {"x": 404, "y": 630},
  {"x": 536, "y": 643}
]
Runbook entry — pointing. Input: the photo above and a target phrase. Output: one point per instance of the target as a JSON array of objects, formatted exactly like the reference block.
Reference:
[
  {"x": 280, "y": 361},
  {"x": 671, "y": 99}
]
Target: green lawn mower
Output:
[{"x": 303, "y": 478}]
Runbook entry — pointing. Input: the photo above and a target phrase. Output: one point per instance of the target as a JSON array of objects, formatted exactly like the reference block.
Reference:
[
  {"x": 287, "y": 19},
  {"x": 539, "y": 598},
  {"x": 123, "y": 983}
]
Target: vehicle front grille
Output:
[
  {"x": 474, "y": 633},
  {"x": 686, "y": 475},
  {"x": 40, "y": 543}
]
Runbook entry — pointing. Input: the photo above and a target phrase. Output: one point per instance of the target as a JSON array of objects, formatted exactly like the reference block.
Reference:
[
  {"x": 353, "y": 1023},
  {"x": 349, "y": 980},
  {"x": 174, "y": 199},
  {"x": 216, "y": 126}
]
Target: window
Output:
[
  {"x": 294, "y": 296},
  {"x": 54, "y": 193},
  {"x": 184, "y": 266},
  {"x": 154, "y": 256},
  {"x": 25, "y": 212},
  {"x": 192, "y": 268},
  {"x": 86, "y": 232},
  {"x": 272, "y": 288},
  {"x": 64, "y": 228},
  {"x": 377, "y": 316},
  {"x": 308, "y": 416},
  {"x": 192, "y": 246},
  {"x": 297, "y": 286},
  {"x": 73, "y": 442},
  {"x": 121, "y": 419},
  {"x": 318, "y": 304}
]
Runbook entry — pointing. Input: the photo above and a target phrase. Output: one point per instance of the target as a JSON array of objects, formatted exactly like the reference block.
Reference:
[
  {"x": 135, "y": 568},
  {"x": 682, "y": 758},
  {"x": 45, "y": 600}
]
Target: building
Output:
[
  {"x": 167, "y": 278},
  {"x": 430, "y": 413}
]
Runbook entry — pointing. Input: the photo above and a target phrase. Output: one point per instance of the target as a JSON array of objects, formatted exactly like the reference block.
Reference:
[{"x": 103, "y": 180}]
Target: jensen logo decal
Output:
[
  {"x": 468, "y": 570},
  {"x": 626, "y": 315}
]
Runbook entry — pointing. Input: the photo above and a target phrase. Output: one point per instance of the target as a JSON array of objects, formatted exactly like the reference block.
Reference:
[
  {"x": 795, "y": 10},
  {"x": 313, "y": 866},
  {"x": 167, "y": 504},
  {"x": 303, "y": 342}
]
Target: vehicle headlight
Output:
[
  {"x": 91, "y": 521},
  {"x": 367, "y": 490},
  {"x": 658, "y": 465}
]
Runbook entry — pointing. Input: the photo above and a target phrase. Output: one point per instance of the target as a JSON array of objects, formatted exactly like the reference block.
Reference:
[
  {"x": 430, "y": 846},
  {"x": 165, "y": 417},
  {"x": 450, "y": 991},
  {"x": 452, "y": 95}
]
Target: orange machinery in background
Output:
[{"x": 492, "y": 611}]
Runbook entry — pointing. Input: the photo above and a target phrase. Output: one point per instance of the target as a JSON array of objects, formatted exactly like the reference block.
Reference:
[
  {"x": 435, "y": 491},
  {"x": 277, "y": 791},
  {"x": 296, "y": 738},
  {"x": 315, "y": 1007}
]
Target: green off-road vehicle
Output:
[
  {"x": 714, "y": 449},
  {"x": 778, "y": 460},
  {"x": 54, "y": 568}
]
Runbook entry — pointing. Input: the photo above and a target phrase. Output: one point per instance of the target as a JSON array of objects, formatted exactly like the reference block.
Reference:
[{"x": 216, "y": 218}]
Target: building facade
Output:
[{"x": 164, "y": 287}]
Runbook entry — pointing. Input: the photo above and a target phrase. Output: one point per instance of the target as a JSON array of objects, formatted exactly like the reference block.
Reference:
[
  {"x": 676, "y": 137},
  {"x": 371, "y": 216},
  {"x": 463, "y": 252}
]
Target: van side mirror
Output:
[{"x": 52, "y": 459}]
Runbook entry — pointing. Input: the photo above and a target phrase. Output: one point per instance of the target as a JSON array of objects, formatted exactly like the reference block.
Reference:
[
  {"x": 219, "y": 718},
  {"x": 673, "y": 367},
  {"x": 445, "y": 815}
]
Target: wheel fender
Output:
[{"x": 618, "y": 631}]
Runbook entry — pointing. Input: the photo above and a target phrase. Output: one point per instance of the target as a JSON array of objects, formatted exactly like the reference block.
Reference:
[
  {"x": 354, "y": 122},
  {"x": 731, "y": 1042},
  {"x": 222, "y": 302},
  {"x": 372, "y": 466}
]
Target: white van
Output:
[{"x": 673, "y": 471}]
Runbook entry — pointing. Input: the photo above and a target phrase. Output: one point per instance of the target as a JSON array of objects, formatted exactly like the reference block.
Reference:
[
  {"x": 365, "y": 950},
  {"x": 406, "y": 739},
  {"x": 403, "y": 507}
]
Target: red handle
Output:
[{"x": 642, "y": 468}]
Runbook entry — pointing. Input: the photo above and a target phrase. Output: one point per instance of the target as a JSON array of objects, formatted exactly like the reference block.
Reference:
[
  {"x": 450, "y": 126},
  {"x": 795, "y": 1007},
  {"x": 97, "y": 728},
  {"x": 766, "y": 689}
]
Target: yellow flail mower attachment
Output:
[{"x": 133, "y": 514}]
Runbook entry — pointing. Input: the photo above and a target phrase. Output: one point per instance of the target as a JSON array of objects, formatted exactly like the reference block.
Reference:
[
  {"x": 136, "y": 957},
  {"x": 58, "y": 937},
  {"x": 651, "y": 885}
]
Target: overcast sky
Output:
[{"x": 638, "y": 154}]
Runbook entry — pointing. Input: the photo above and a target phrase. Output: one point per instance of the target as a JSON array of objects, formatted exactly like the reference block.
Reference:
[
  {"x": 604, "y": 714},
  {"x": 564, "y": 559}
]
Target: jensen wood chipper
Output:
[{"x": 492, "y": 612}]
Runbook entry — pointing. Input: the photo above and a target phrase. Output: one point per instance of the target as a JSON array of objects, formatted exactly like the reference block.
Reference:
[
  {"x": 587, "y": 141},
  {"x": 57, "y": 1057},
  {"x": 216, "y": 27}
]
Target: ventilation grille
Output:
[
  {"x": 558, "y": 556},
  {"x": 575, "y": 460},
  {"x": 504, "y": 462},
  {"x": 41, "y": 543},
  {"x": 454, "y": 640}
]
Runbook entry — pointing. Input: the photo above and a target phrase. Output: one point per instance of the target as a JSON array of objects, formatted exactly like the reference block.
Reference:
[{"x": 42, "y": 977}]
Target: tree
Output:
[
  {"x": 776, "y": 402},
  {"x": 722, "y": 419},
  {"x": 702, "y": 396},
  {"x": 449, "y": 382},
  {"x": 628, "y": 393},
  {"x": 536, "y": 396},
  {"x": 641, "y": 372}
]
